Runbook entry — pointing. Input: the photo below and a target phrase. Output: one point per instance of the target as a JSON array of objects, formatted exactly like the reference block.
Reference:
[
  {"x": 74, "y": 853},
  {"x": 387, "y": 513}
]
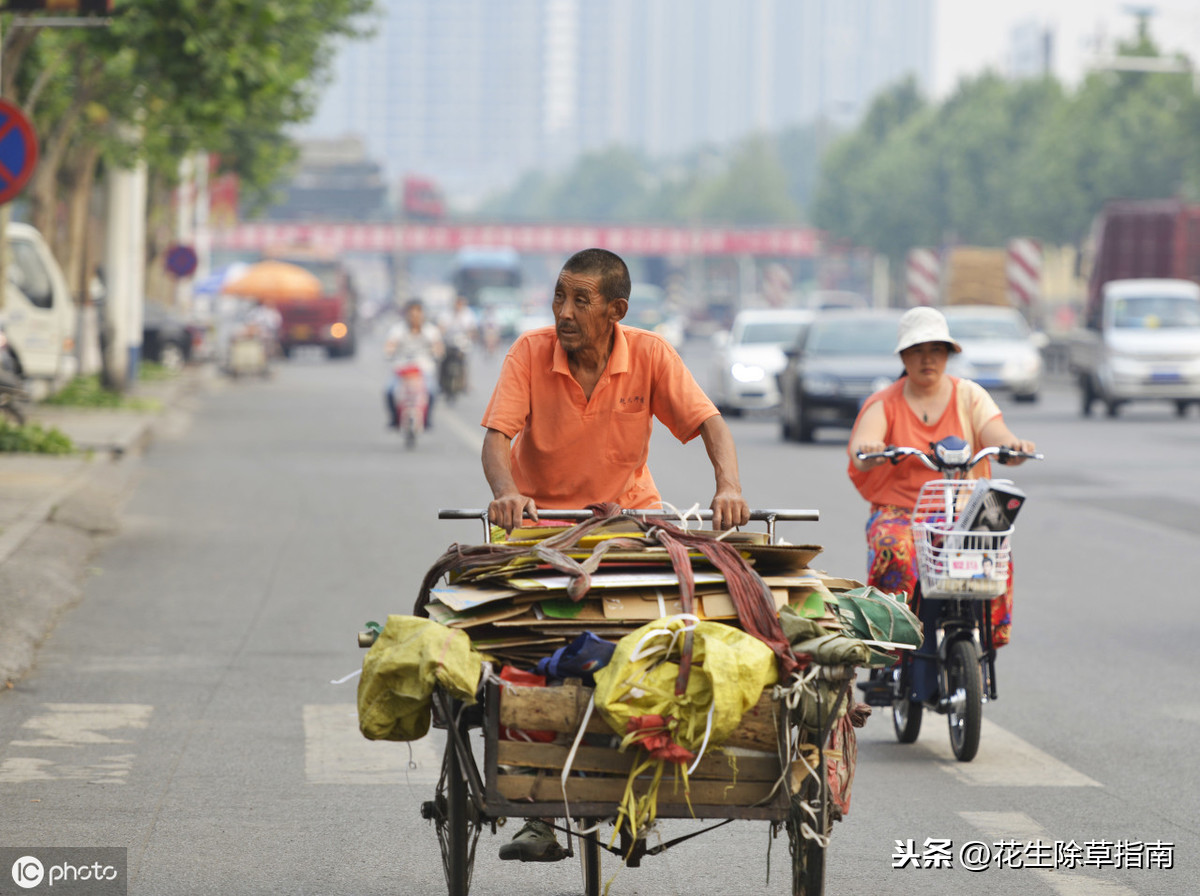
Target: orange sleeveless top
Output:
[{"x": 970, "y": 409}]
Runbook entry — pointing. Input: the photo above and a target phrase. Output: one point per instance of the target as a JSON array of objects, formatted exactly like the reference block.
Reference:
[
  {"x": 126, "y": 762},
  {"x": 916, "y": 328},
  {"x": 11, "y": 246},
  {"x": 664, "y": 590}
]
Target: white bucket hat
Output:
[{"x": 924, "y": 324}]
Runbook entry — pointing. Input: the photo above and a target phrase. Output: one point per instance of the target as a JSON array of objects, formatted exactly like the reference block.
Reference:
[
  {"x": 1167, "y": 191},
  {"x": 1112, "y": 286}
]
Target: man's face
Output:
[
  {"x": 416, "y": 317},
  {"x": 582, "y": 318}
]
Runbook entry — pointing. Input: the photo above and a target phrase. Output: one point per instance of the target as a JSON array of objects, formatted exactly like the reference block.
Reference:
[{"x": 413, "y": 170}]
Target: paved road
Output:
[{"x": 184, "y": 710}]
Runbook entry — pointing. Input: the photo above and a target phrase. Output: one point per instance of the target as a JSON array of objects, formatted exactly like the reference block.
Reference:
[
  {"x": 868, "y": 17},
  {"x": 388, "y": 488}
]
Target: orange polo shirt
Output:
[
  {"x": 569, "y": 451},
  {"x": 969, "y": 410}
]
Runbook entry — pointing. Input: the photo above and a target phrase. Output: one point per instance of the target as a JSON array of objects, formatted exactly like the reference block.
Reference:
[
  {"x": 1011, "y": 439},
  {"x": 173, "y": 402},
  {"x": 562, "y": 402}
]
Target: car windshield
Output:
[
  {"x": 1156, "y": 312},
  {"x": 499, "y": 297},
  {"x": 987, "y": 328},
  {"x": 771, "y": 332},
  {"x": 852, "y": 336},
  {"x": 647, "y": 307}
]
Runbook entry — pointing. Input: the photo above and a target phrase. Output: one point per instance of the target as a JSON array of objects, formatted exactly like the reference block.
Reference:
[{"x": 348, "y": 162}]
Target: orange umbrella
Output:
[{"x": 274, "y": 281}]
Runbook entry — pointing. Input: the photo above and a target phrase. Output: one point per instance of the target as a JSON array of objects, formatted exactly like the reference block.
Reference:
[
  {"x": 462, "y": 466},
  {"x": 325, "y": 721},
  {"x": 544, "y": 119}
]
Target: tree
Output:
[{"x": 168, "y": 78}]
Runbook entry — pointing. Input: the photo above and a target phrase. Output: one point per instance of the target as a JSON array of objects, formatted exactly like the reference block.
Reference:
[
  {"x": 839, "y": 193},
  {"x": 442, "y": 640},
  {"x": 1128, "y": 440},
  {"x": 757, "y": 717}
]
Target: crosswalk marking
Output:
[
  {"x": 1005, "y": 760},
  {"x": 336, "y": 753},
  {"x": 1019, "y": 826},
  {"x": 76, "y": 742}
]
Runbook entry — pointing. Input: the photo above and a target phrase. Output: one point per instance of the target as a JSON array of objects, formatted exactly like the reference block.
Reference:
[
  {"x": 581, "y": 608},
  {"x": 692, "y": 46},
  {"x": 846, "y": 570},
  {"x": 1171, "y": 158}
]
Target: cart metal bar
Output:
[{"x": 770, "y": 517}]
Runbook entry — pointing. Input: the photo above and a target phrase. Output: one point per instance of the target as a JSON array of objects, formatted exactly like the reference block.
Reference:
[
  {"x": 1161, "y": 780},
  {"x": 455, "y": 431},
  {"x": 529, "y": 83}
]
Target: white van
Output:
[{"x": 39, "y": 315}]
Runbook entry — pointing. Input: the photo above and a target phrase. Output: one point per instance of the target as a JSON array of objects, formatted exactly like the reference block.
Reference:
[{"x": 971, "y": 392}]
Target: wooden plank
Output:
[
  {"x": 535, "y": 788},
  {"x": 609, "y": 761},
  {"x": 561, "y": 709}
]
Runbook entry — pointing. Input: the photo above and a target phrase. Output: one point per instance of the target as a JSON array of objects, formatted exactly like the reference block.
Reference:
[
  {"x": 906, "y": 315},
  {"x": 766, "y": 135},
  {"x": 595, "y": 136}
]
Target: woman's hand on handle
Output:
[
  {"x": 1023, "y": 445},
  {"x": 867, "y": 447}
]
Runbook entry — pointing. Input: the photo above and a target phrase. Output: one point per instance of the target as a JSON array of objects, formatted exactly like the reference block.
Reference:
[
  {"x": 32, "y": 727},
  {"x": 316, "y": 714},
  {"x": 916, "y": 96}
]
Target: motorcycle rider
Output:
[
  {"x": 460, "y": 329},
  {"x": 415, "y": 341}
]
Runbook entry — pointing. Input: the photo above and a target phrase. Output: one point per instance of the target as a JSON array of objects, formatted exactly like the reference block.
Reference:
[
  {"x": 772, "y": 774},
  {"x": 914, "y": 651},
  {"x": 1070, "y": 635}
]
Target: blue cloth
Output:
[{"x": 579, "y": 659}]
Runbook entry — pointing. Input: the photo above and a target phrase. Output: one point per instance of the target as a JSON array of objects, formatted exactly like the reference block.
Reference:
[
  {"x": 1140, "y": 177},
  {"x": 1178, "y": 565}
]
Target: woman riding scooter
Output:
[
  {"x": 923, "y": 406},
  {"x": 413, "y": 341}
]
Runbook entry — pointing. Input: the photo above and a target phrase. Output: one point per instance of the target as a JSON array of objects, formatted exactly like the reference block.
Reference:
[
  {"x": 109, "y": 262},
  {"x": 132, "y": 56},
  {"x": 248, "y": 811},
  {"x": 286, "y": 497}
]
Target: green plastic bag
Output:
[
  {"x": 411, "y": 656},
  {"x": 873, "y": 615}
]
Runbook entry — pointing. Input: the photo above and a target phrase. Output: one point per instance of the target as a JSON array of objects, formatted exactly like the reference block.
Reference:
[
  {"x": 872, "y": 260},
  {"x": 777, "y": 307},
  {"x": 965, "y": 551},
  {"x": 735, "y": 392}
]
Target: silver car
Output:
[
  {"x": 999, "y": 350},
  {"x": 750, "y": 356}
]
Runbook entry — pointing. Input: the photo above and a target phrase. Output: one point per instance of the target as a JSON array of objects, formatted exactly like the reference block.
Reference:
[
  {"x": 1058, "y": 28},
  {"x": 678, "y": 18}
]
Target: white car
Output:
[
  {"x": 999, "y": 351},
  {"x": 749, "y": 358}
]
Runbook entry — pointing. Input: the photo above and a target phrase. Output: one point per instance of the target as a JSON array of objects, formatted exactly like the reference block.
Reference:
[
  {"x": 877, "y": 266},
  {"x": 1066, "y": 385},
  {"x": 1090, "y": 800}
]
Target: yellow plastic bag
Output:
[
  {"x": 730, "y": 669},
  {"x": 400, "y": 670}
]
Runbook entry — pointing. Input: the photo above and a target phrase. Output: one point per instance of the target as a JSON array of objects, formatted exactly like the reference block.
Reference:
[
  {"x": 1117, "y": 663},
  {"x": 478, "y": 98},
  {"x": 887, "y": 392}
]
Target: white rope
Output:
[
  {"x": 707, "y": 733},
  {"x": 346, "y": 678},
  {"x": 587, "y": 717},
  {"x": 684, "y": 515}
]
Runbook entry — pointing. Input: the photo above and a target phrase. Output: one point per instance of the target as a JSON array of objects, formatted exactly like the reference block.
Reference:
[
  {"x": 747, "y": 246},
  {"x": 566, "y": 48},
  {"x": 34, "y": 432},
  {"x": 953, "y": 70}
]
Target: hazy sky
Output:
[{"x": 973, "y": 34}]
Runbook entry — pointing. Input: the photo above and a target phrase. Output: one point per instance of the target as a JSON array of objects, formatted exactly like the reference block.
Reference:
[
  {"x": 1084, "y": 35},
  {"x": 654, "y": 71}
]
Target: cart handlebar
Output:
[
  {"x": 770, "y": 517},
  {"x": 706, "y": 514}
]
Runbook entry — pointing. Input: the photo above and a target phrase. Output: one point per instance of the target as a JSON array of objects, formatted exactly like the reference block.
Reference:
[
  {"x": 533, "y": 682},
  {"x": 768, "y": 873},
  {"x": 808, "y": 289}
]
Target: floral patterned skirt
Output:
[{"x": 892, "y": 564}]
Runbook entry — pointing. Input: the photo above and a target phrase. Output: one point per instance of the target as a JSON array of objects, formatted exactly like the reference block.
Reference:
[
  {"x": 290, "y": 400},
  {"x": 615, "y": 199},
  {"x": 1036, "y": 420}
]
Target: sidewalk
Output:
[{"x": 53, "y": 507}]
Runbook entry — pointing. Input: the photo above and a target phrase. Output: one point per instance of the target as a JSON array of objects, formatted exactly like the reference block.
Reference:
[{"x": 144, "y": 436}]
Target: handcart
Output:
[{"x": 794, "y": 759}]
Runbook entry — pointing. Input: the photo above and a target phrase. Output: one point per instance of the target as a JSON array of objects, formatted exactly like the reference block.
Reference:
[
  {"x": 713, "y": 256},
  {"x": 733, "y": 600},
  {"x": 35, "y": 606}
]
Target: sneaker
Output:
[{"x": 535, "y": 842}]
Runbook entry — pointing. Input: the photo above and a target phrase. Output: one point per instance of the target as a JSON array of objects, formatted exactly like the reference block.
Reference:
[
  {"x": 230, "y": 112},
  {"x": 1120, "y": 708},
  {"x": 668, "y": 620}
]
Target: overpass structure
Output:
[{"x": 405, "y": 237}]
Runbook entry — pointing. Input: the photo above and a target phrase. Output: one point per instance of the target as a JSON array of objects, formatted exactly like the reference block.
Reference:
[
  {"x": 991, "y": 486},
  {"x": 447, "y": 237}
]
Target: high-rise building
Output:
[{"x": 474, "y": 92}]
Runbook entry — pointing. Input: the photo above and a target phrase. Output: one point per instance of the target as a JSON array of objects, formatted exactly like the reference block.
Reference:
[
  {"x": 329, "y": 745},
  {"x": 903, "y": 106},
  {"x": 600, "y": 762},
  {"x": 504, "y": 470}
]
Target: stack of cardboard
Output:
[{"x": 518, "y": 611}]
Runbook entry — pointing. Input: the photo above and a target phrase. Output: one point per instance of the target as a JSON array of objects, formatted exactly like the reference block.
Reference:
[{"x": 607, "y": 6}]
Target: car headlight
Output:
[
  {"x": 747, "y": 373},
  {"x": 1023, "y": 366},
  {"x": 822, "y": 384}
]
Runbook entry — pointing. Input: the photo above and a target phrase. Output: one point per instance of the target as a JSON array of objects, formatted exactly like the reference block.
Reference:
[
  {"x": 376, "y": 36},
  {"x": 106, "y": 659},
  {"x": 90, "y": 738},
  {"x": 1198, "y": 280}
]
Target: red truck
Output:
[
  {"x": 329, "y": 322},
  {"x": 1141, "y": 341},
  {"x": 1136, "y": 239}
]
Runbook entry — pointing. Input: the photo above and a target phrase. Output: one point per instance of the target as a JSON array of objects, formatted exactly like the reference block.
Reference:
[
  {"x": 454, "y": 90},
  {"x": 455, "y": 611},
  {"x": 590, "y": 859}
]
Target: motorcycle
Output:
[
  {"x": 452, "y": 372},
  {"x": 962, "y": 565},
  {"x": 410, "y": 397},
  {"x": 13, "y": 395}
]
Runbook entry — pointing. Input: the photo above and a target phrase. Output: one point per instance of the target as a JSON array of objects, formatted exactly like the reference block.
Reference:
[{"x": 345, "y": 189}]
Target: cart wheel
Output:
[
  {"x": 807, "y": 837},
  {"x": 906, "y": 714},
  {"x": 964, "y": 686},
  {"x": 589, "y": 857},
  {"x": 457, "y": 828}
]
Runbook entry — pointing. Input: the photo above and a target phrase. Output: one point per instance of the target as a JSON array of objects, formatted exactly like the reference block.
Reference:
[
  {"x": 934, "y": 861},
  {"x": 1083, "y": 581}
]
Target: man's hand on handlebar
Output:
[
  {"x": 508, "y": 511},
  {"x": 729, "y": 509}
]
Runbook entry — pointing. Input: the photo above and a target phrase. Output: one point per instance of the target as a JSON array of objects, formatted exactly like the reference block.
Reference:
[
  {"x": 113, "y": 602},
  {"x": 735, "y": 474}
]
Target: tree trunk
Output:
[{"x": 82, "y": 180}]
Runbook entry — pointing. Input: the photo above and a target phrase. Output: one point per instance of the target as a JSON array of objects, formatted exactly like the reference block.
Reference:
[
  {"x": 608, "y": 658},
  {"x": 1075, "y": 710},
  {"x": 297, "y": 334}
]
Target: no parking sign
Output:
[{"x": 18, "y": 151}]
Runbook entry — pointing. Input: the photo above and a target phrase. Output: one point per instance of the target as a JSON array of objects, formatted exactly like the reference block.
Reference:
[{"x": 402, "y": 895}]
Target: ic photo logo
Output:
[{"x": 27, "y": 872}]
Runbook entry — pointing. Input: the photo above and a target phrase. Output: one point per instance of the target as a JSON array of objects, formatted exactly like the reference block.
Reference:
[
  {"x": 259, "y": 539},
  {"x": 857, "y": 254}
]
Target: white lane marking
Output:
[
  {"x": 1020, "y": 827},
  {"x": 1005, "y": 760},
  {"x": 471, "y": 436},
  {"x": 69, "y": 742},
  {"x": 336, "y": 753}
]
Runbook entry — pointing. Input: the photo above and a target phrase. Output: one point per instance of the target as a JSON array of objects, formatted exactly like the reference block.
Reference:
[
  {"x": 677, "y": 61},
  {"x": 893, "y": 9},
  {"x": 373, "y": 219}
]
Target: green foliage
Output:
[
  {"x": 87, "y": 392},
  {"x": 168, "y": 77},
  {"x": 1000, "y": 159},
  {"x": 31, "y": 438},
  {"x": 153, "y": 372}
]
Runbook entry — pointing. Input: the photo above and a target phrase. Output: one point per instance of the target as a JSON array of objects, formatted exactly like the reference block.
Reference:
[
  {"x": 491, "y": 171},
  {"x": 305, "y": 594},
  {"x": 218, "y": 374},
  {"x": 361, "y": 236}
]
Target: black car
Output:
[
  {"x": 167, "y": 338},
  {"x": 841, "y": 359}
]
